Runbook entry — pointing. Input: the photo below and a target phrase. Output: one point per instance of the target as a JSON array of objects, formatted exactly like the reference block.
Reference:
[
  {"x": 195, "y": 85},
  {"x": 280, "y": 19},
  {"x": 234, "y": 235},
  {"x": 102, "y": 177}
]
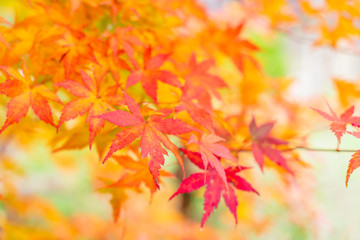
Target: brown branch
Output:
[
  {"x": 325, "y": 149},
  {"x": 308, "y": 149}
]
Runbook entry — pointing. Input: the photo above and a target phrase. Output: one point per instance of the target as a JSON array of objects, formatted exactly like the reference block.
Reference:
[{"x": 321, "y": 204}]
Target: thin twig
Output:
[
  {"x": 326, "y": 150},
  {"x": 308, "y": 149}
]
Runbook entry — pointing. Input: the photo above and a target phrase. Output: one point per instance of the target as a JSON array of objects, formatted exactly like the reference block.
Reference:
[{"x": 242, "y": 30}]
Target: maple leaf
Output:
[
  {"x": 149, "y": 73},
  {"x": 118, "y": 197},
  {"x": 347, "y": 91},
  {"x": 75, "y": 47},
  {"x": 139, "y": 173},
  {"x": 354, "y": 163},
  {"x": 112, "y": 64},
  {"x": 95, "y": 97},
  {"x": 152, "y": 132},
  {"x": 338, "y": 124},
  {"x": 331, "y": 35},
  {"x": 197, "y": 90},
  {"x": 210, "y": 150},
  {"x": 122, "y": 37},
  {"x": 262, "y": 144},
  {"x": 196, "y": 101},
  {"x": 234, "y": 46},
  {"x": 120, "y": 41},
  {"x": 197, "y": 75},
  {"x": 253, "y": 84},
  {"x": 125, "y": 7},
  {"x": 215, "y": 187},
  {"x": 24, "y": 93}
]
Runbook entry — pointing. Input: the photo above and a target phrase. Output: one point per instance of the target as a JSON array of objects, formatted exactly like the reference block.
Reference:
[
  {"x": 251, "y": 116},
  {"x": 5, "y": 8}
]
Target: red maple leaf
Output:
[
  {"x": 262, "y": 144},
  {"x": 95, "y": 97},
  {"x": 149, "y": 73},
  {"x": 211, "y": 150},
  {"x": 152, "y": 132},
  {"x": 197, "y": 75},
  {"x": 215, "y": 187},
  {"x": 197, "y": 102},
  {"x": 25, "y": 93},
  {"x": 197, "y": 90},
  {"x": 338, "y": 124}
]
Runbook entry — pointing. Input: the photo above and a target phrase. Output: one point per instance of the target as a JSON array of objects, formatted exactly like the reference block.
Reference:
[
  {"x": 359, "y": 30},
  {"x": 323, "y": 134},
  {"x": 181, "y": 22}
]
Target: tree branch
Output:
[{"x": 308, "y": 149}]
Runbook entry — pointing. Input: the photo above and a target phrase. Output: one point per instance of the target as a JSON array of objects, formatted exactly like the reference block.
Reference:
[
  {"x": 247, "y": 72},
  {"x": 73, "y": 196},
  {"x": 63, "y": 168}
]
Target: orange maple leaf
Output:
[
  {"x": 95, "y": 97},
  {"x": 139, "y": 173},
  {"x": 354, "y": 163},
  {"x": 75, "y": 47},
  {"x": 234, "y": 46},
  {"x": 24, "y": 93},
  {"x": 118, "y": 197}
]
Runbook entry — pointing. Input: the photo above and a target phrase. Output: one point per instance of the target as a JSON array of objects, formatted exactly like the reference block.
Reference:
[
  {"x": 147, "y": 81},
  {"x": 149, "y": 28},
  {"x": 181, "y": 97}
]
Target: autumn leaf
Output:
[
  {"x": 197, "y": 75},
  {"x": 148, "y": 73},
  {"x": 65, "y": 140},
  {"x": 215, "y": 186},
  {"x": 94, "y": 97},
  {"x": 196, "y": 101},
  {"x": 122, "y": 39},
  {"x": 124, "y": 6},
  {"x": 199, "y": 86},
  {"x": 211, "y": 150},
  {"x": 152, "y": 132},
  {"x": 338, "y": 124},
  {"x": 354, "y": 163},
  {"x": 264, "y": 145},
  {"x": 118, "y": 197},
  {"x": 331, "y": 35},
  {"x": 75, "y": 47},
  {"x": 231, "y": 44},
  {"x": 25, "y": 93},
  {"x": 253, "y": 84},
  {"x": 138, "y": 173},
  {"x": 347, "y": 91}
]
